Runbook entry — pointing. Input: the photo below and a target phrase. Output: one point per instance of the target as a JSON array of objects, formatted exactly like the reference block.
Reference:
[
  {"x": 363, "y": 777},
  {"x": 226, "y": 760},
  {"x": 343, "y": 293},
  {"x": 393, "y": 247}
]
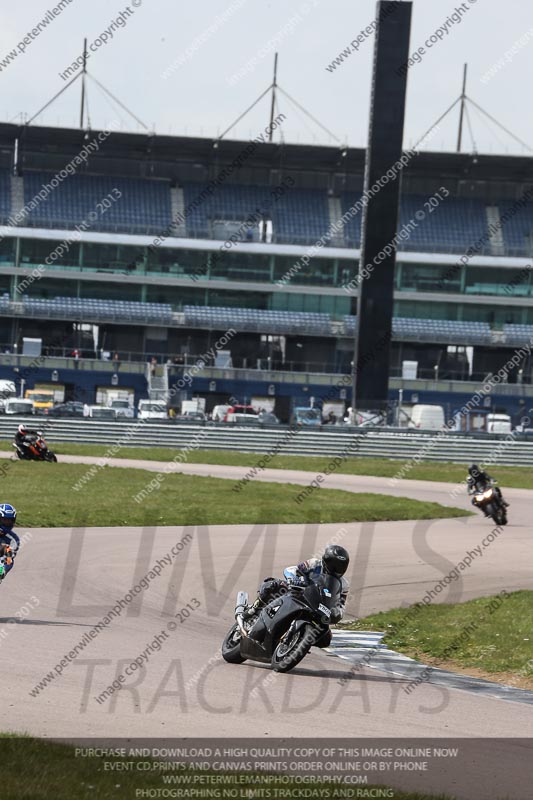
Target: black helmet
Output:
[
  {"x": 474, "y": 470},
  {"x": 335, "y": 560}
]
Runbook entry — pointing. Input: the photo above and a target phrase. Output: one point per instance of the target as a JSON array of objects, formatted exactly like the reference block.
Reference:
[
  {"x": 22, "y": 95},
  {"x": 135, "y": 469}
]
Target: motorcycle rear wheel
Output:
[
  {"x": 231, "y": 646},
  {"x": 291, "y": 649}
]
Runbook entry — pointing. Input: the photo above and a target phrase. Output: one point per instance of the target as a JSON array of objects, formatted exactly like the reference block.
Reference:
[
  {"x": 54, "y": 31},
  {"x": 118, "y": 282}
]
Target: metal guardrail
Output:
[{"x": 327, "y": 442}]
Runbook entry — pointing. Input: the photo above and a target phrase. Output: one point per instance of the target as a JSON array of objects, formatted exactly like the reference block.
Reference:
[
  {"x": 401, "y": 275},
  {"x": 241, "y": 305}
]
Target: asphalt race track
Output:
[{"x": 70, "y": 579}]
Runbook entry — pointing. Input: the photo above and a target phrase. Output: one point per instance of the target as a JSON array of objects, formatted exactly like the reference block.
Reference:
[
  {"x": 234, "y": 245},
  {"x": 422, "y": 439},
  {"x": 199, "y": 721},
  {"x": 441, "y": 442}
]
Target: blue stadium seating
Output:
[
  {"x": 441, "y": 329},
  {"x": 453, "y": 227},
  {"x": 518, "y": 334},
  {"x": 433, "y": 330},
  {"x": 144, "y": 206},
  {"x": 91, "y": 308},
  {"x": 352, "y": 229},
  {"x": 518, "y": 229},
  {"x": 299, "y": 216},
  {"x": 225, "y": 203},
  {"x": 251, "y": 319}
]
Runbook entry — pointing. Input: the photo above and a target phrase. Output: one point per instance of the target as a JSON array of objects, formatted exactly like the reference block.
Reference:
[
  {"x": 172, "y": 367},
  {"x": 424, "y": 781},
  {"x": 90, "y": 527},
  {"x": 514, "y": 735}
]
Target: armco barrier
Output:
[{"x": 384, "y": 443}]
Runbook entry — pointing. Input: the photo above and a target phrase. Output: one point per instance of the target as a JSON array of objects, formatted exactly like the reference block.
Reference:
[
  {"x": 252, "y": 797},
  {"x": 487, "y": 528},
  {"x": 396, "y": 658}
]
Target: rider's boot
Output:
[{"x": 254, "y": 609}]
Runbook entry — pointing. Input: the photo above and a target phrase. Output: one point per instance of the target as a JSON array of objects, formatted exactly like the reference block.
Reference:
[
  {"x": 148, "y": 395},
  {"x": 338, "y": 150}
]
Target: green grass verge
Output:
[
  {"x": 492, "y": 635},
  {"x": 177, "y": 499},
  {"x": 40, "y": 770},
  {"x": 514, "y": 477}
]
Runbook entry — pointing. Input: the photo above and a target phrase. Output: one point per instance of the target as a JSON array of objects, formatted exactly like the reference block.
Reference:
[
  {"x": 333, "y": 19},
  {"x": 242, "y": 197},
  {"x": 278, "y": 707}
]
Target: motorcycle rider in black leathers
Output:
[
  {"x": 334, "y": 561},
  {"x": 22, "y": 435},
  {"x": 478, "y": 481}
]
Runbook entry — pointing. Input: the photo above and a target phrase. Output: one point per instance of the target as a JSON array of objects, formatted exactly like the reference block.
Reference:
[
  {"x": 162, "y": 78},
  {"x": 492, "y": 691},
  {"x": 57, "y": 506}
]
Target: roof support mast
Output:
[
  {"x": 461, "y": 116},
  {"x": 83, "y": 76},
  {"x": 274, "y": 87},
  {"x": 464, "y": 99}
]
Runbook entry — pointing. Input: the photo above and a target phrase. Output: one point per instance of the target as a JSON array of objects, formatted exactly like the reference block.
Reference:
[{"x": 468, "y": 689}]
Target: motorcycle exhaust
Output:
[{"x": 240, "y": 607}]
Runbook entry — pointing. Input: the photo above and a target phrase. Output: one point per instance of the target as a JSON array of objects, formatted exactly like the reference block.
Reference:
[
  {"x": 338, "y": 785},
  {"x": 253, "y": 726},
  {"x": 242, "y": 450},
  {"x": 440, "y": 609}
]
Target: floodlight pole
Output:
[
  {"x": 461, "y": 116},
  {"x": 83, "y": 74}
]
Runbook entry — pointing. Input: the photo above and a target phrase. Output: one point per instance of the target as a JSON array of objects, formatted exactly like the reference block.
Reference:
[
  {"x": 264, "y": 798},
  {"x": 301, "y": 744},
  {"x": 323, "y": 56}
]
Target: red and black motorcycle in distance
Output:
[{"x": 36, "y": 449}]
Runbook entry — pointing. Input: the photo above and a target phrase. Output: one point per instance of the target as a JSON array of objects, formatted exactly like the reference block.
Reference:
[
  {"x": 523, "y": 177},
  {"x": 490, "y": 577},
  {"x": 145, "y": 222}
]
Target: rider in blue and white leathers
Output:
[{"x": 9, "y": 541}]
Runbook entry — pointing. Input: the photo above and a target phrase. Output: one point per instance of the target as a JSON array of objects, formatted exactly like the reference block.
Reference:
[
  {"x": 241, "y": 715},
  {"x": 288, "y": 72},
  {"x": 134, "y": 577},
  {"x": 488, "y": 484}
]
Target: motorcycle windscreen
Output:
[{"x": 325, "y": 590}]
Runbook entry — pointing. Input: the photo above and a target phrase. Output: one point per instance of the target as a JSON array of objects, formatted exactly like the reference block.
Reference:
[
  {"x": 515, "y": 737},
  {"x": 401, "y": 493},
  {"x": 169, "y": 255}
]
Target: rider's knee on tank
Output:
[{"x": 270, "y": 589}]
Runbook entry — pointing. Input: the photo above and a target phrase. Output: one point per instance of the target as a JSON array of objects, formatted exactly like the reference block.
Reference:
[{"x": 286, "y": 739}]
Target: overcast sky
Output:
[{"x": 202, "y": 94}]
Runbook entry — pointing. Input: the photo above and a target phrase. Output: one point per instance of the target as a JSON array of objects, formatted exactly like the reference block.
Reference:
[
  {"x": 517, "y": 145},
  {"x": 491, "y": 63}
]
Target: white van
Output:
[
  {"x": 8, "y": 390},
  {"x": 219, "y": 413},
  {"x": 152, "y": 409},
  {"x": 17, "y": 405},
  {"x": 499, "y": 423},
  {"x": 426, "y": 417}
]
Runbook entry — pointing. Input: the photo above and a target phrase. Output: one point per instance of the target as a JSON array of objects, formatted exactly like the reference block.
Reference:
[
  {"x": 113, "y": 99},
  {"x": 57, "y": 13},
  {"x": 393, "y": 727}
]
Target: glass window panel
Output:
[
  {"x": 7, "y": 251},
  {"x": 34, "y": 252},
  {"x": 318, "y": 272}
]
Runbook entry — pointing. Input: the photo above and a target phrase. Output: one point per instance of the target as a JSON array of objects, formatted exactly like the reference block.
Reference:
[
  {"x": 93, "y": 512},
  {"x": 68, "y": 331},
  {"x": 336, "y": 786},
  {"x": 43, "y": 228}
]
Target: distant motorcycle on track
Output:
[
  {"x": 490, "y": 502},
  {"x": 35, "y": 449}
]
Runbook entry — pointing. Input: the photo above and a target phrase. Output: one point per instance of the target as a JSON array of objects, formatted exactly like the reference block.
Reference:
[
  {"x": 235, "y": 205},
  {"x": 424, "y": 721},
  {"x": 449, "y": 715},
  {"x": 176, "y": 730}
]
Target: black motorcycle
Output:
[
  {"x": 490, "y": 502},
  {"x": 285, "y": 629}
]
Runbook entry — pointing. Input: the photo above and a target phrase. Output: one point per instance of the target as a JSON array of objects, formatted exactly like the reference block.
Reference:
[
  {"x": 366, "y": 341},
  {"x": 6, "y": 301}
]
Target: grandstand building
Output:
[{"x": 154, "y": 246}]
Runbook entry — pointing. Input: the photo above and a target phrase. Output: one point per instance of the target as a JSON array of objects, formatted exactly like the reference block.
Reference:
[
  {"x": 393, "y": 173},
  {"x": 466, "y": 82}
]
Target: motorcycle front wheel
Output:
[
  {"x": 500, "y": 517},
  {"x": 51, "y": 457},
  {"x": 231, "y": 646},
  {"x": 292, "y": 648}
]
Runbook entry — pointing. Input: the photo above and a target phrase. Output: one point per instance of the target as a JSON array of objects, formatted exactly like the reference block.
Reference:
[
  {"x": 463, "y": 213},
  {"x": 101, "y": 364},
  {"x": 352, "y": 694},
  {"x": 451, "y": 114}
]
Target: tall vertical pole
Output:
[
  {"x": 461, "y": 116},
  {"x": 373, "y": 290},
  {"x": 274, "y": 87},
  {"x": 84, "y": 73}
]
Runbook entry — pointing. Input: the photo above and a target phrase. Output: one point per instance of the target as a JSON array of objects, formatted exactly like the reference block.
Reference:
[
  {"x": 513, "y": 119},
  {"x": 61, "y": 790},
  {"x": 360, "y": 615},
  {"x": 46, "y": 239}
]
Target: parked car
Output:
[
  {"x": 239, "y": 409},
  {"x": 306, "y": 417},
  {"x": 267, "y": 418},
  {"x": 246, "y": 420},
  {"x": 101, "y": 412},
  {"x": 194, "y": 417},
  {"x": 499, "y": 423},
  {"x": 152, "y": 409},
  {"x": 365, "y": 419},
  {"x": 69, "y": 409},
  {"x": 122, "y": 408}
]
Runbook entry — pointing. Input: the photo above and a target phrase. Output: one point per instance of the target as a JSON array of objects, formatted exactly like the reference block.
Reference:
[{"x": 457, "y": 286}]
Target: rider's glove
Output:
[{"x": 303, "y": 567}]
